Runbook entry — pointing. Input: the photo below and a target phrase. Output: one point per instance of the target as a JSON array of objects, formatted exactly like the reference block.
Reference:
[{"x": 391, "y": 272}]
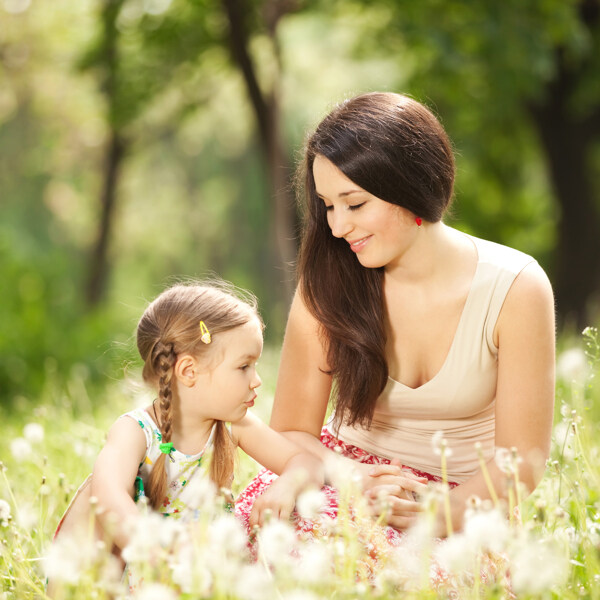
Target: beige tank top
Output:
[{"x": 459, "y": 400}]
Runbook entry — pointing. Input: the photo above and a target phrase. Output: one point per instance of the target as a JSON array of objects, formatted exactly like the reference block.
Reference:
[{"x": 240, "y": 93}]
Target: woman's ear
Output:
[{"x": 186, "y": 370}]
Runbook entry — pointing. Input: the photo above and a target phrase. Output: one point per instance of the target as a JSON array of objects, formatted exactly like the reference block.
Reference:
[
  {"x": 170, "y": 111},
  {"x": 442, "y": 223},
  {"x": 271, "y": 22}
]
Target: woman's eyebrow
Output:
[{"x": 342, "y": 194}]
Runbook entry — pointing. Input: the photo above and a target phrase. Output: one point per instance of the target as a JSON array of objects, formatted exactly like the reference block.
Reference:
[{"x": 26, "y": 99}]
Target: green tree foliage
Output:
[{"x": 516, "y": 84}]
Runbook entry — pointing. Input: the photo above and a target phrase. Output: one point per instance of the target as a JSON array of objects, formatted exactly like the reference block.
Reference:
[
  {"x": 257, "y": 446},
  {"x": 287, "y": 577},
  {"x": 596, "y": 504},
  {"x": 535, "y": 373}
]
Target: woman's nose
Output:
[{"x": 339, "y": 223}]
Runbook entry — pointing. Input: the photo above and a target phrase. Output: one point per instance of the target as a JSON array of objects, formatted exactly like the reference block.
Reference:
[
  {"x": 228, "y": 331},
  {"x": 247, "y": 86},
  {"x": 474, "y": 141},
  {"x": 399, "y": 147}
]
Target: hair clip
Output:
[
  {"x": 166, "y": 448},
  {"x": 205, "y": 333}
]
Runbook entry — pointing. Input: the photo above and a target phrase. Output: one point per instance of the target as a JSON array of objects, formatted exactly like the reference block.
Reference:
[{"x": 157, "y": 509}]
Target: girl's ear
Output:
[{"x": 186, "y": 370}]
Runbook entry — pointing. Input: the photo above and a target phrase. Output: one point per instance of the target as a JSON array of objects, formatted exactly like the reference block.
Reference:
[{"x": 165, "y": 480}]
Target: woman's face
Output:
[{"x": 377, "y": 232}]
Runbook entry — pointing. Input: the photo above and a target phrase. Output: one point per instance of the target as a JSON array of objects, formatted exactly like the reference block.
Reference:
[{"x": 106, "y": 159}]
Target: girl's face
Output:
[
  {"x": 378, "y": 232},
  {"x": 226, "y": 390}
]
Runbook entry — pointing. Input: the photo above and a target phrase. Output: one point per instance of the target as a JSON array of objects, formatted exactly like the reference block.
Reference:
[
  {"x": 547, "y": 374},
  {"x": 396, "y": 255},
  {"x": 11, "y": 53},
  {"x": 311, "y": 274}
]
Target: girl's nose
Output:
[
  {"x": 339, "y": 223},
  {"x": 256, "y": 381}
]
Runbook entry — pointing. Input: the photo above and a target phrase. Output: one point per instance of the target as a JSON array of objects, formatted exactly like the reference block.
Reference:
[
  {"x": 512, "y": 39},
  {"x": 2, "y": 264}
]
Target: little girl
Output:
[{"x": 200, "y": 345}]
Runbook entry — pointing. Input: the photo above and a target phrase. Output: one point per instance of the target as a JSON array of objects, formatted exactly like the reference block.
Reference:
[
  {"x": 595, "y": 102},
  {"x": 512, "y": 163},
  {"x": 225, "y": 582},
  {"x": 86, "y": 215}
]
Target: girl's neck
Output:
[{"x": 189, "y": 434}]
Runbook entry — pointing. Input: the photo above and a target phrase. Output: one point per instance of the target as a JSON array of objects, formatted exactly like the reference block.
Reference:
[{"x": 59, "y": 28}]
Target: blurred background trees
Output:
[{"x": 147, "y": 140}]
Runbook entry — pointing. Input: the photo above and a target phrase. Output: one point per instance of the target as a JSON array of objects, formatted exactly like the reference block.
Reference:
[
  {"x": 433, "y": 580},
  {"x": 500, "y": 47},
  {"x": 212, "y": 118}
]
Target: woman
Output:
[{"x": 416, "y": 327}]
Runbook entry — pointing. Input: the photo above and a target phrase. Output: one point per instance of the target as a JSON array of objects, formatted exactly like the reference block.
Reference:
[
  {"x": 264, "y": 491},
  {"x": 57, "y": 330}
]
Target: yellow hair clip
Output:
[{"x": 205, "y": 333}]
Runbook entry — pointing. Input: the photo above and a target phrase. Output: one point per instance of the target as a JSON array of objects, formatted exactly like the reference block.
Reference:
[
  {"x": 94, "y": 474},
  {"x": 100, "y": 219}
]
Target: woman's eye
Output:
[
  {"x": 328, "y": 208},
  {"x": 356, "y": 206}
]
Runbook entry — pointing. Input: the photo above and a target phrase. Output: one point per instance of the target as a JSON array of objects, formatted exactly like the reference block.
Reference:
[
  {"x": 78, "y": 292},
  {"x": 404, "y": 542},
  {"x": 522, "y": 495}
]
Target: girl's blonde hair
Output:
[{"x": 169, "y": 327}]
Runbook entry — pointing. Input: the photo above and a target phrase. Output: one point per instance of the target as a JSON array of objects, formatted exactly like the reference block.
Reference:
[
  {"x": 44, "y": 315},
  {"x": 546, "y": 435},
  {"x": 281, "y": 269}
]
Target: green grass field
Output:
[{"x": 49, "y": 445}]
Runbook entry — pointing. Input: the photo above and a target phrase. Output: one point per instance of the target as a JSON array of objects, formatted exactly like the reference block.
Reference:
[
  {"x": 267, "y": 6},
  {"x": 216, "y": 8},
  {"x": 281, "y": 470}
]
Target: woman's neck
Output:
[{"x": 429, "y": 257}]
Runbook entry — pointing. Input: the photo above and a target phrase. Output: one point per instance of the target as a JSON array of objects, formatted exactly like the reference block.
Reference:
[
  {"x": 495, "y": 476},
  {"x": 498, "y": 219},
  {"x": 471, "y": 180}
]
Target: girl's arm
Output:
[
  {"x": 297, "y": 468},
  {"x": 114, "y": 475}
]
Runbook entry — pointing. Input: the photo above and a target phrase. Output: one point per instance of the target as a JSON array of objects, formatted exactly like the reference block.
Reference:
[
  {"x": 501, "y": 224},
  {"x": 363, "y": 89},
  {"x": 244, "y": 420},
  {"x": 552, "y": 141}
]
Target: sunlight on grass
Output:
[{"x": 551, "y": 552}]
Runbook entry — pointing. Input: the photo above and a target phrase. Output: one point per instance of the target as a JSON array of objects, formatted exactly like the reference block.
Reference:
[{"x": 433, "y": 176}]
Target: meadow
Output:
[{"x": 551, "y": 551}]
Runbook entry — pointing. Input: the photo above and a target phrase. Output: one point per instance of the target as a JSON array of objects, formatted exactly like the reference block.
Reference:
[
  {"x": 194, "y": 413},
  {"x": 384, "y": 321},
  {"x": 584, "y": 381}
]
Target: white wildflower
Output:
[
  {"x": 253, "y": 582},
  {"x": 537, "y": 566},
  {"x": 68, "y": 557},
  {"x": 227, "y": 534},
  {"x": 4, "y": 511},
  {"x": 504, "y": 460},
  {"x": 190, "y": 572},
  {"x": 299, "y": 595},
  {"x": 310, "y": 503},
  {"x": 437, "y": 439},
  {"x": 487, "y": 530},
  {"x": 572, "y": 365},
  {"x": 456, "y": 554},
  {"x": 201, "y": 493},
  {"x": 314, "y": 563},
  {"x": 276, "y": 541},
  {"x": 27, "y": 516},
  {"x": 20, "y": 448},
  {"x": 155, "y": 591},
  {"x": 33, "y": 433},
  {"x": 563, "y": 436}
]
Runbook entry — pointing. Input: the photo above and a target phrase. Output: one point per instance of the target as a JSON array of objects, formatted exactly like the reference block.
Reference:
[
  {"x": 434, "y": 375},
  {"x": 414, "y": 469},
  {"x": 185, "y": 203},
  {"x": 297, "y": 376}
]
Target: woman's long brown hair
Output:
[
  {"x": 394, "y": 148},
  {"x": 170, "y": 327}
]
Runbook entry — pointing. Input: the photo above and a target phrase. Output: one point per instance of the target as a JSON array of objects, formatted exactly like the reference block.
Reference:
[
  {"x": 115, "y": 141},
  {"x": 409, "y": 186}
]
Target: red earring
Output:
[{"x": 418, "y": 221}]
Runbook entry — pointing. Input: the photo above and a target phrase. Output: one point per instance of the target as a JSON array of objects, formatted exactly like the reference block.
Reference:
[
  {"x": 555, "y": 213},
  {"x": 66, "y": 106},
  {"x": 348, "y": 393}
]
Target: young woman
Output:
[{"x": 410, "y": 326}]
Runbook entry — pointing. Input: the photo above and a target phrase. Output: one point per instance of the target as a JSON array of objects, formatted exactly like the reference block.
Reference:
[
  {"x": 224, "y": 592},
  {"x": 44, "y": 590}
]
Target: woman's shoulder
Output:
[{"x": 500, "y": 256}]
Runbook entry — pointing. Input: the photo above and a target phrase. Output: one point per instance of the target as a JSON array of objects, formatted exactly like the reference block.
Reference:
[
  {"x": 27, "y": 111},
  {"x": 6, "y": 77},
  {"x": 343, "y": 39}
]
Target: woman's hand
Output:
[{"x": 393, "y": 491}]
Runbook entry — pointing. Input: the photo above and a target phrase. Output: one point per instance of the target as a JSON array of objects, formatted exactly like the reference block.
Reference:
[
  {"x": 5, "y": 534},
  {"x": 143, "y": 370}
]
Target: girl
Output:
[
  {"x": 420, "y": 327},
  {"x": 200, "y": 345}
]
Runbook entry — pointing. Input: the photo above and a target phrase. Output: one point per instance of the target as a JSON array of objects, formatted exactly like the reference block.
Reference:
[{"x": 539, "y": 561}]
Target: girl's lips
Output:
[
  {"x": 250, "y": 403},
  {"x": 358, "y": 245}
]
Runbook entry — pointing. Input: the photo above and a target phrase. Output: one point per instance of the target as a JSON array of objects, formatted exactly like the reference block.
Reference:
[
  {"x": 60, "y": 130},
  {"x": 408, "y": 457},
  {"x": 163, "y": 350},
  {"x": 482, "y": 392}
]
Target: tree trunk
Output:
[
  {"x": 98, "y": 270},
  {"x": 267, "y": 112},
  {"x": 567, "y": 140}
]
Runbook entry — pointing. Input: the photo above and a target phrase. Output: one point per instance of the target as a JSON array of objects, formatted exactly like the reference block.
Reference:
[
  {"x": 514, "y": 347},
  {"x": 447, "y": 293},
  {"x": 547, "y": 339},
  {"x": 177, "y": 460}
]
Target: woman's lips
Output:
[{"x": 358, "y": 245}]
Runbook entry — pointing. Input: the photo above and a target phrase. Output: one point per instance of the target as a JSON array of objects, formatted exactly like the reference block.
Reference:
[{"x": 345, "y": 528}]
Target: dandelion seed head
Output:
[
  {"x": 4, "y": 511},
  {"x": 456, "y": 554},
  {"x": 314, "y": 564},
  {"x": 276, "y": 542},
  {"x": 537, "y": 566},
  {"x": 227, "y": 533},
  {"x": 306, "y": 595},
  {"x": 253, "y": 582},
  {"x": 20, "y": 448},
  {"x": 309, "y": 503},
  {"x": 487, "y": 530},
  {"x": 155, "y": 591},
  {"x": 33, "y": 433},
  {"x": 572, "y": 365}
]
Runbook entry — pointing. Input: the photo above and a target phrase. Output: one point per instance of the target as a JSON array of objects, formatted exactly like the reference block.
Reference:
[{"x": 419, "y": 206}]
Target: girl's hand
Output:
[{"x": 277, "y": 502}]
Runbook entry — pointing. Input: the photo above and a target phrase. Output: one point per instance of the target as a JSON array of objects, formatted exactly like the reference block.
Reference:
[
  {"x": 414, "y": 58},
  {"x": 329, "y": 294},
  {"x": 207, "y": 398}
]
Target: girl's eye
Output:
[{"x": 244, "y": 367}]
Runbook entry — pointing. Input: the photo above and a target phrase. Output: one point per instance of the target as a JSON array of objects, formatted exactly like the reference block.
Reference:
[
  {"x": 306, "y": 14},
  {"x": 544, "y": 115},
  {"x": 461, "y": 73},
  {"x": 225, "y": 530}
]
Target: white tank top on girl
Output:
[
  {"x": 460, "y": 399},
  {"x": 183, "y": 470}
]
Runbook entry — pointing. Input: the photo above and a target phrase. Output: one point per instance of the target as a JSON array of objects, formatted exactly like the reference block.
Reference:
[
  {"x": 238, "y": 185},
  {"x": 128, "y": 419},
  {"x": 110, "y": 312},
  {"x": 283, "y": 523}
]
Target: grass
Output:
[{"x": 553, "y": 552}]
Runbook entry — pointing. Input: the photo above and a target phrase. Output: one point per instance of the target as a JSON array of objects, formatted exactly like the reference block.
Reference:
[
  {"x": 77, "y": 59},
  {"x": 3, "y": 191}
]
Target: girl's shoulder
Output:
[{"x": 146, "y": 423}]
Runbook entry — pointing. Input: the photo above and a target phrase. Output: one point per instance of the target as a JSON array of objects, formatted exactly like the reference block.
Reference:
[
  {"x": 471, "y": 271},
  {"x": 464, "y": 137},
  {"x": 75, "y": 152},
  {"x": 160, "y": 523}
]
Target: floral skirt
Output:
[{"x": 329, "y": 510}]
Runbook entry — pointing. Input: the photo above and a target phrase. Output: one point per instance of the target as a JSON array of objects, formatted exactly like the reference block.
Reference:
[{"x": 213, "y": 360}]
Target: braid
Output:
[
  {"x": 163, "y": 361},
  {"x": 222, "y": 463}
]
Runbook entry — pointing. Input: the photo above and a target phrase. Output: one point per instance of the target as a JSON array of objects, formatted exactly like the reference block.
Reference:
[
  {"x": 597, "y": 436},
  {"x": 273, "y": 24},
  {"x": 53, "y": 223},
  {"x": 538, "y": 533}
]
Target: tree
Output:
[{"x": 512, "y": 81}]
